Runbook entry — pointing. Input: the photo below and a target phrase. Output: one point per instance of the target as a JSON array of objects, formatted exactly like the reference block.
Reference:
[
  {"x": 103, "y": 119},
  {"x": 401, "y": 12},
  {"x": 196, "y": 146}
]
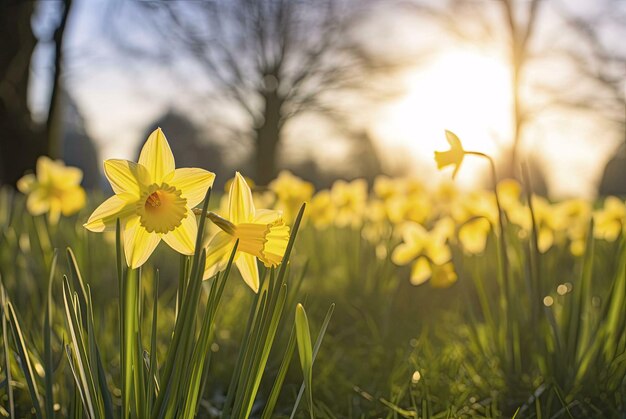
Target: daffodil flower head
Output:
[
  {"x": 262, "y": 235},
  {"x": 350, "y": 200},
  {"x": 291, "y": 192},
  {"x": 429, "y": 252},
  {"x": 453, "y": 157},
  {"x": 610, "y": 221},
  {"x": 473, "y": 235},
  {"x": 321, "y": 210},
  {"x": 54, "y": 189},
  {"x": 153, "y": 200}
]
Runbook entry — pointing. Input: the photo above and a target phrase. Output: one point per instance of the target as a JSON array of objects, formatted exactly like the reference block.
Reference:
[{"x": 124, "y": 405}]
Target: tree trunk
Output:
[
  {"x": 54, "y": 125},
  {"x": 267, "y": 139},
  {"x": 22, "y": 141}
]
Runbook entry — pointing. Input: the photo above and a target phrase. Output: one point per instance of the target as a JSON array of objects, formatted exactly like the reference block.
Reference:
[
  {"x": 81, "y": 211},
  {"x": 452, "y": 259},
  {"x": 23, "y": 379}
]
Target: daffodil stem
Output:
[{"x": 504, "y": 265}]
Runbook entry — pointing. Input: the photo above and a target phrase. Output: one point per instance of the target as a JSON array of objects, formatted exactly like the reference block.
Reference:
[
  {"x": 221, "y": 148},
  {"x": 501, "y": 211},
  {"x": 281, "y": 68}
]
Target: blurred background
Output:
[{"x": 325, "y": 88}]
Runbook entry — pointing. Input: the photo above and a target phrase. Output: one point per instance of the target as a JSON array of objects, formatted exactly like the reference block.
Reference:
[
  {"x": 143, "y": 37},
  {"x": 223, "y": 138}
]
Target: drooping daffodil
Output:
[
  {"x": 262, "y": 235},
  {"x": 153, "y": 200},
  {"x": 453, "y": 157},
  {"x": 53, "y": 189}
]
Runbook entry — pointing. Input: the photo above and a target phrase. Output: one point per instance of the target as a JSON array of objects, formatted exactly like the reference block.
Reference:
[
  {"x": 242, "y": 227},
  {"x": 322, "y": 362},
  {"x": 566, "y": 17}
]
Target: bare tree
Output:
[
  {"x": 23, "y": 139},
  {"x": 271, "y": 60}
]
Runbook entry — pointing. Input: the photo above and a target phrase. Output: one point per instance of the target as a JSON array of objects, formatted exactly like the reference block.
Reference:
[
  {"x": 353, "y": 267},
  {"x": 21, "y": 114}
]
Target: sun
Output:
[{"x": 466, "y": 92}]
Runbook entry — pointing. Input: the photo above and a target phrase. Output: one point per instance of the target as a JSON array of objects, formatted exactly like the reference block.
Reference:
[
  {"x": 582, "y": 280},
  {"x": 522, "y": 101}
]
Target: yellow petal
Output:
[
  {"x": 139, "y": 245},
  {"x": 420, "y": 271},
  {"x": 65, "y": 177},
  {"x": 126, "y": 176},
  {"x": 473, "y": 236},
  {"x": 266, "y": 216},
  {"x": 453, "y": 140},
  {"x": 44, "y": 168},
  {"x": 404, "y": 253},
  {"x": 414, "y": 234},
  {"x": 157, "y": 157},
  {"x": 218, "y": 251},
  {"x": 73, "y": 200},
  {"x": 438, "y": 251},
  {"x": 192, "y": 182},
  {"x": 183, "y": 238},
  {"x": 121, "y": 206},
  {"x": 27, "y": 183},
  {"x": 240, "y": 204},
  {"x": 37, "y": 202},
  {"x": 249, "y": 270},
  {"x": 545, "y": 239},
  {"x": 54, "y": 213}
]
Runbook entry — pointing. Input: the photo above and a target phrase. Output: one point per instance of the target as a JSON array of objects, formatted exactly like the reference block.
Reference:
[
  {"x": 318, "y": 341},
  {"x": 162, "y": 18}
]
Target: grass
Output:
[{"x": 523, "y": 332}]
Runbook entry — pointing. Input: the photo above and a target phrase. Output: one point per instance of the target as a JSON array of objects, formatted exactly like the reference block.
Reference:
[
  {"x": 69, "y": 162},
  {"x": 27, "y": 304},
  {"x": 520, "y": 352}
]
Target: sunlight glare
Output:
[{"x": 465, "y": 92}]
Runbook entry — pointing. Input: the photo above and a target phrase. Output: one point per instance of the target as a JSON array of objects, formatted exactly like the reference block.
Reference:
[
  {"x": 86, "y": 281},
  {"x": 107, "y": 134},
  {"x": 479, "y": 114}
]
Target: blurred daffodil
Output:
[
  {"x": 350, "y": 200},
  {"x": 428, "y": 251},
  {"x": 454, "y": 156},
  {"x": 321, "y": 211},
  {"x": 262, "y": 235},
  {"x": 473, "y": 235},
  {"x": 54, "y": 189},
  {"x": 610, "y": 221},
  {"x": 291, "y": 192},
  {"x": 510, "y": 192},
  {"x": 153, "y": 201}
]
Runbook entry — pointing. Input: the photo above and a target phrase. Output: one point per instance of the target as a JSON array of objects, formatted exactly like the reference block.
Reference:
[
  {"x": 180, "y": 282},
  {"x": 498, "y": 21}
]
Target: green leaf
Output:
[
  {"x": 47, "y": 337},
  {"x": 22, "y": 351},
  {"x": 7, "y": 355},
  {"x": 305, "y": 351},
  {"x": 316, "y": 348}
]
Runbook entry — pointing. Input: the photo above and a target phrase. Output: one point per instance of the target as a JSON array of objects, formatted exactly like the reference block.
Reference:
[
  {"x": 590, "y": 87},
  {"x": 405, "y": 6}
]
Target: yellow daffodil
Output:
[
  {"x": 473, "y": 235},
  {"x": 386, "y": 187},
  {"x": 321, "y": 210},
  {"x": 545, "y": 220},
  {"x": 350, "y": 200},
  {"x": 429, "y": 253},
  {"x": 54, "y": 189},
  {"x": 510, "y": 192},
  {"x": 291, "y": 192},
  {"x": 262, "y": 235},
  {"x": 610, "y": 221},
  {"x": 452, "y": 157},
  {"x": 153, "y": 201}
]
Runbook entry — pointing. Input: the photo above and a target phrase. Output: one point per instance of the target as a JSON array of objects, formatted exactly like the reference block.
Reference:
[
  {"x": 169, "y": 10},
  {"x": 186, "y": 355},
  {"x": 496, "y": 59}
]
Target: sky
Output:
[{"x": 463, "y": 88}]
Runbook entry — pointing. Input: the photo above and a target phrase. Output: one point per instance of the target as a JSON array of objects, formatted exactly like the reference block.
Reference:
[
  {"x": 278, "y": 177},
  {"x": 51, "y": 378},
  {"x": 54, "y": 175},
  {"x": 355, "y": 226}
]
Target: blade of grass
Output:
[
  {"x": 83, "y": 381},
  {"x": 47, "y": 336},
  {"x": 27, "y": 368},
  {"x": 270, "y": 405},
  {"x": 7, "y": 354},
  {"x": 152, "y": 368},
  {"x": 189, "y": 308}
]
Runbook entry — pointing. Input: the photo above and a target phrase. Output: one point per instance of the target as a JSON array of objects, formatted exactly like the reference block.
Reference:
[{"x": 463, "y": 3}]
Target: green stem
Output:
[{"x": 502, "y": 254}]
